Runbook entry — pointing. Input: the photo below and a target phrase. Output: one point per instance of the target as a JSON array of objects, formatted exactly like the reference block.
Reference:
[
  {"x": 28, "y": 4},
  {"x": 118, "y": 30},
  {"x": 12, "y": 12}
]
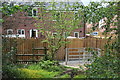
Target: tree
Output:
[
  {"x": 11, "y": 8},
  {"x": 106, "y": 66},
  {"x": 63, "y": 22}
]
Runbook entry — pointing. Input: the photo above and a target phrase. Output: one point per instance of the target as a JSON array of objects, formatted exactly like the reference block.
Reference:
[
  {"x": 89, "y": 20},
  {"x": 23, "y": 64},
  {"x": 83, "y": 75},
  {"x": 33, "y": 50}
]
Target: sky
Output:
[{"x": 85, "y": 2}]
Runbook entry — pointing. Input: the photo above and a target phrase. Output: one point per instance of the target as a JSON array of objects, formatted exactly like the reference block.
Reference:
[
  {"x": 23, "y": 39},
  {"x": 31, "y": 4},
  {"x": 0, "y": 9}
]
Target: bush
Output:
[
  {"x": 50, "y": 65},
  {"x": 106, "y": 66},
  {"x": 47, "y": 65},
  {"x": 9, "y": 71}
]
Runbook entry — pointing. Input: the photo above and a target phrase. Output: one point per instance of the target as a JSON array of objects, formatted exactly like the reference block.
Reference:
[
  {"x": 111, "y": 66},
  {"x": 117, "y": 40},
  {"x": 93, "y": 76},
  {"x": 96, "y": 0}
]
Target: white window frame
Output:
[
  {"x": 36, "y": 12},
  {"x": 33, "y": 30},
  {"x": 77, "y": 33},
  {"x": 21, "y": 31},
  {"x": 9, "y": 30},
  {"x": 101, "y": 23}
]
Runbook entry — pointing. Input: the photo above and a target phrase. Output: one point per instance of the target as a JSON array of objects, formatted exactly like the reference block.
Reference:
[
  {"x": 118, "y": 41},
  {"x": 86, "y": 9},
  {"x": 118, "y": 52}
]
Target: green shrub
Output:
[
  {"x": 50, "y": 65},
  {"x": 47, "y": 65},
  {"x": 10, "y": 71},
  {"x": 106, "y": 66}
]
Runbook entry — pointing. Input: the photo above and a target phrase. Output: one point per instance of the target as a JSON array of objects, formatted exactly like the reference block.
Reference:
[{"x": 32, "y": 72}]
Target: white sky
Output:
[{"x": 85, "y": 2}]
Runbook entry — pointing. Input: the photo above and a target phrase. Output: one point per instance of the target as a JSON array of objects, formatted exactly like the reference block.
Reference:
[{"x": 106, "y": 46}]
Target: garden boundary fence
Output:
[{"x": 30, "y": 50}]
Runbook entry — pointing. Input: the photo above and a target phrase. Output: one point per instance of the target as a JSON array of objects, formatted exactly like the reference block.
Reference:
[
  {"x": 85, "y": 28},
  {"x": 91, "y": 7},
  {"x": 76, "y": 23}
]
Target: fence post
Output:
[
  {"x": 96, "y": 42},
  {"x": 15, "y": 55},
  {"x": 45, "y": 52},
  {"x": 33, "y": 51},
  {"x": 66, "y": 56}
]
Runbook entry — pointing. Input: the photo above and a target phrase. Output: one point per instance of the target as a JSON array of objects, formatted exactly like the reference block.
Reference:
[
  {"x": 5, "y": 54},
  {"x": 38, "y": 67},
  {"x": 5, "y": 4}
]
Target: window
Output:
[
  {"x": 34, "y": 12},
  {"x": 76, "y": 34},
  {"x": 9, "y": 31},
  {"x": 21, "y": 31},
  {"x": 80, "y": 31},
  {"x": 33, "y": 33},
  {"x": 101, "y": 23}
]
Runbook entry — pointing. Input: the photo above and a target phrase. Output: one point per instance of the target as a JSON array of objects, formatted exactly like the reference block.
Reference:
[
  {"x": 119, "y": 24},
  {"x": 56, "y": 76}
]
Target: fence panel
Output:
[{"x": 25, "y": 46}]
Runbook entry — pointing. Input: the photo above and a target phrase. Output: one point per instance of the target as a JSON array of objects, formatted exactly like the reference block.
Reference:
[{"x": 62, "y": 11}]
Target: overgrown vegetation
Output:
[{"x": 106, "y": 66}]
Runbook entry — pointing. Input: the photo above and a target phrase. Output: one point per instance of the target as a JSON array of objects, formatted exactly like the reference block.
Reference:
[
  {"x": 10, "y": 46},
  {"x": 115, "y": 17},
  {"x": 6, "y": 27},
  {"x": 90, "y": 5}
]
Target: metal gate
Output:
[{"x": 83, "y": 55}]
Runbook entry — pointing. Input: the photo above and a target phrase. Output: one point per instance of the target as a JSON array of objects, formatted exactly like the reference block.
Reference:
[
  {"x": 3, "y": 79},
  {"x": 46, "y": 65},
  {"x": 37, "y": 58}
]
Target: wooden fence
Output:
[
  {"x": 82, "y": 43},
  {"x": 25, "y": 48}
]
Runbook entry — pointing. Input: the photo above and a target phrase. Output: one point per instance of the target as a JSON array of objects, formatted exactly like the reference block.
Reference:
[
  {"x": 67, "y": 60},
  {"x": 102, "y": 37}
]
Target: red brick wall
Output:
[{"x": 19, "y": 20}]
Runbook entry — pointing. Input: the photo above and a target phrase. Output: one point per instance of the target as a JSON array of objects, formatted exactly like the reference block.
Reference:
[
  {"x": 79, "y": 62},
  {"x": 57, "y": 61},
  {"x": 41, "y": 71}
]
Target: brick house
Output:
[
  {"x": 100, "y": 29},
  {"x": 22, "y": 24}
]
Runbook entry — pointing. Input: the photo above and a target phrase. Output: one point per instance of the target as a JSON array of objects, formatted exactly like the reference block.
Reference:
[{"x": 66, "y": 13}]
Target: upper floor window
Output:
[
  {"x": 21, "y": 31},
  {"x": 10, "y": 31},
  {"x": 101, "y": 23},
  {"x": 76, "y": 34},
  {"x": 32, "y": 11}
]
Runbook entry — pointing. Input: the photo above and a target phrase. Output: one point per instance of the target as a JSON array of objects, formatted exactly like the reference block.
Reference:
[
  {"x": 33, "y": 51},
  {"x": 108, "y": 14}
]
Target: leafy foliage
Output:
[
  {"x": 16, "y": 72},
  {"x": 61, "y": 23},
  {"x": 10, "y": 8},
  {"x": 47, "y": 65},
  {"x": 106, "y": 66}
]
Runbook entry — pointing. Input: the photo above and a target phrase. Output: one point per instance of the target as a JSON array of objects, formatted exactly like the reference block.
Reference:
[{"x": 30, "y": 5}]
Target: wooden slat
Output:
[
  {"x": 27, "y": 60},
  {"x": 26, "y": 46},
  {"x": 74, "y": 58},
  {"x": 30, "y": 54},
  {"x": 75, "y": 55}
]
